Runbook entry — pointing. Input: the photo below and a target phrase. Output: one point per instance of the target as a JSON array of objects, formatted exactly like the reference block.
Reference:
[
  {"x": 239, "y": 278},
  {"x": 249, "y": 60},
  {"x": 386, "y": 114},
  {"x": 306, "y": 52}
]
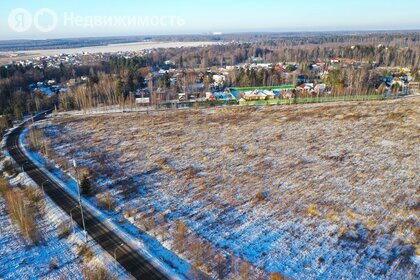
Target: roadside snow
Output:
[
  {"x": 149, "y": 247},
  {"x": 20, "y": 260}
]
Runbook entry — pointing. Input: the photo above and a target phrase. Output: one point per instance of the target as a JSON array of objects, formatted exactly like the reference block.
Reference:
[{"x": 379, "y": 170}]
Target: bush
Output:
[
  {"x": 180, "y": 236},
  {"x": 85, "y": 252},
  {"x": 107, "y": 201},
  {"x": 191, "y": 172},
  {"x": 97, "y": 272},
  {"x": 260, "y": 196},
  {"x": 276, "y": 276},
  {"x": 86, "y": 186},
  {"x": 9, "y": 168},
  {"x": 53, "y": 264},
  {"x": 23, "y": 214},
  {"x": 4, "y": 185},
  {"x": 64, "y": 229},
  {"x": 34, "y": 195}
]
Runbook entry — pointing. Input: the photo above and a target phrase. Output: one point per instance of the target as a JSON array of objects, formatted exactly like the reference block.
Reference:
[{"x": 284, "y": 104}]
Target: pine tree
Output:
[{"x": 85, "y": 186}]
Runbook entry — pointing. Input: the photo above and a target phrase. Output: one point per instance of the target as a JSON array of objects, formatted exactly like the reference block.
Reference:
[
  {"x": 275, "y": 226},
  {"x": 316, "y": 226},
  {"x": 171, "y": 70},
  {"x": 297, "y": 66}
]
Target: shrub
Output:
[
  {"x": 97, "y": 272},
  {"x": 107, "y": 201},
  {"x": 260, "y": 196},
  {"x": 53, "y": 263},
  {"x": 64, "y": 229},
  {"x": 180, "y": 235},
  {"x": 22, "y": 213},
  {"x": 85, "y": 252},
  {"x": 9, "y": 168},
  {"x": 149, "y": 223},
  {"x": 86, "y": 186},
  {"x": 197, "y": 250},
  {"x": 276, "y": 276},
  {"x": 191, "y": 172},
  {"x": 4, "y": 185},
  {"x": 33, "y": 194}
]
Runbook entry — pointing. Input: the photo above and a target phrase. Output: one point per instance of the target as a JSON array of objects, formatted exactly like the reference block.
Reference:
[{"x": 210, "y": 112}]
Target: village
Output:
[{"x": 169, "y": 84}]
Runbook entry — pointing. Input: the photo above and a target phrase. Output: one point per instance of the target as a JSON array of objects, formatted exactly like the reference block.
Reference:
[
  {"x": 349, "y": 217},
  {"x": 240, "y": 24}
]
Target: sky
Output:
[{"x": 45, "y": 19}]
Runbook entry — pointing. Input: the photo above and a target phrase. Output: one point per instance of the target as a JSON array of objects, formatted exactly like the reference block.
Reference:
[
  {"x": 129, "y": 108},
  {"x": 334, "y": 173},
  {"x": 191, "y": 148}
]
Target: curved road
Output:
[{"x": 137, "y": 265}]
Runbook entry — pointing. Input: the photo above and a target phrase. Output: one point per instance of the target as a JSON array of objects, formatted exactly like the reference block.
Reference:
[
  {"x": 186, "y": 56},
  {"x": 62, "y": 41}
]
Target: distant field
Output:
[
  {"x": 128, "y": 47},
  {"x": 316, "y": 191}
]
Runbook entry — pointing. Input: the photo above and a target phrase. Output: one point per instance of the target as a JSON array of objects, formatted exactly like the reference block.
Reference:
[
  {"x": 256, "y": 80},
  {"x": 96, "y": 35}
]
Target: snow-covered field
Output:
[
  {"x": 20, "y": 259},
  {"x": 314, "y": 191},
  {"x": 112, "y": 48},
  {"x": 54, "y": 256}
]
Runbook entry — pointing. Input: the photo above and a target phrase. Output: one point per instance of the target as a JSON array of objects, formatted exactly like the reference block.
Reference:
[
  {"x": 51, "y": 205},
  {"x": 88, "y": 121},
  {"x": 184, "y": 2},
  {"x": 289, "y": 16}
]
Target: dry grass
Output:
[
  {"x": 23, "y": 210},
  {"x": 324, "y": 166}
]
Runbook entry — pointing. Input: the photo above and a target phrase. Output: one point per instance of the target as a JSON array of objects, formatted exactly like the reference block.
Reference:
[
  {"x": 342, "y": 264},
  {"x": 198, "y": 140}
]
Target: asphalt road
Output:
[{"x": 137, "y": 265}]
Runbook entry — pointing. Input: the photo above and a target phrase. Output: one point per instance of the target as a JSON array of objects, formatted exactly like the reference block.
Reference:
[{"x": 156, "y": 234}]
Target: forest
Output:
[{"x": 113, "y": 79}]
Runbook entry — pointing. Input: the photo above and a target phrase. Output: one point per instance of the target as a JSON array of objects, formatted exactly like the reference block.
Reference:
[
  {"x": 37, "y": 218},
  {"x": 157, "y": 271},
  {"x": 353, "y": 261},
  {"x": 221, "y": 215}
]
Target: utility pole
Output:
[{"x": 80, "y": 198}]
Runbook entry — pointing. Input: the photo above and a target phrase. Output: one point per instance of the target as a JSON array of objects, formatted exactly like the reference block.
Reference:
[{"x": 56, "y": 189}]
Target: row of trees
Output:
[
  {"x": 23, "y": 206},
  {"x": 114, "y": 79}
]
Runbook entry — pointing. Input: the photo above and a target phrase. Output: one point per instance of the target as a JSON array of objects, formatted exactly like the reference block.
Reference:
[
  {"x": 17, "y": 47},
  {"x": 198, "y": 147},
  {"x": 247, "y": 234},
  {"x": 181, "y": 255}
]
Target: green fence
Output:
[{"x": 313, "y": 100}]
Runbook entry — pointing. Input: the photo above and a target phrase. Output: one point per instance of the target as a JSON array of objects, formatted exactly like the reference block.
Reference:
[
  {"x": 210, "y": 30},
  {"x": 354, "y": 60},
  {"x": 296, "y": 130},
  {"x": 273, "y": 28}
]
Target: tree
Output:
[{"x": 85, "y": 186}]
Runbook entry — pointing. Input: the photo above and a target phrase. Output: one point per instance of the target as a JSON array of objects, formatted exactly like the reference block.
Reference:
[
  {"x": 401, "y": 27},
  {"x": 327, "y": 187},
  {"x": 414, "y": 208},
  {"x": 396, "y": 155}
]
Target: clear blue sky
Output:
[{"x": 220, "y": 15}]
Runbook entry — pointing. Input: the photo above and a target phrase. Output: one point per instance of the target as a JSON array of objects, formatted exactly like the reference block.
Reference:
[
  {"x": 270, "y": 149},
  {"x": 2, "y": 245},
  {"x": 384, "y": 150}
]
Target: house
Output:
[
  {"x": 218, "y": 96},
  {"x": 143, "y": 100},
  {"x": 306, "y": 87},
  {"x": 335, "y": 60},
  {"x": 218, "y": 80},
  {"x": 320, "y": 88},
  {"x": 170, "y": 63},
  {"x": 257, "y": 59}
]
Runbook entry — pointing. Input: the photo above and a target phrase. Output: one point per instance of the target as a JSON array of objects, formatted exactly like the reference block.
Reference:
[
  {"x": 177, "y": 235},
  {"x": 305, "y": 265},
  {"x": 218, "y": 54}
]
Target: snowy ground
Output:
[
  {"x": 311, "y": 191},
  {"x": 22, "y": 260},
  {"x": 150, "y": 248}
]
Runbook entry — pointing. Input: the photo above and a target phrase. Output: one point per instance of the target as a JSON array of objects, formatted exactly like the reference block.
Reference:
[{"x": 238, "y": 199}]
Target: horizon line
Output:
[{"x": 222, "y": 34}]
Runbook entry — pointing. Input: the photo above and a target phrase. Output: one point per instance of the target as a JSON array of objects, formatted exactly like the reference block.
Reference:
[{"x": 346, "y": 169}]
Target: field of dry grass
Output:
[{"x": 324, "y": 190}]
